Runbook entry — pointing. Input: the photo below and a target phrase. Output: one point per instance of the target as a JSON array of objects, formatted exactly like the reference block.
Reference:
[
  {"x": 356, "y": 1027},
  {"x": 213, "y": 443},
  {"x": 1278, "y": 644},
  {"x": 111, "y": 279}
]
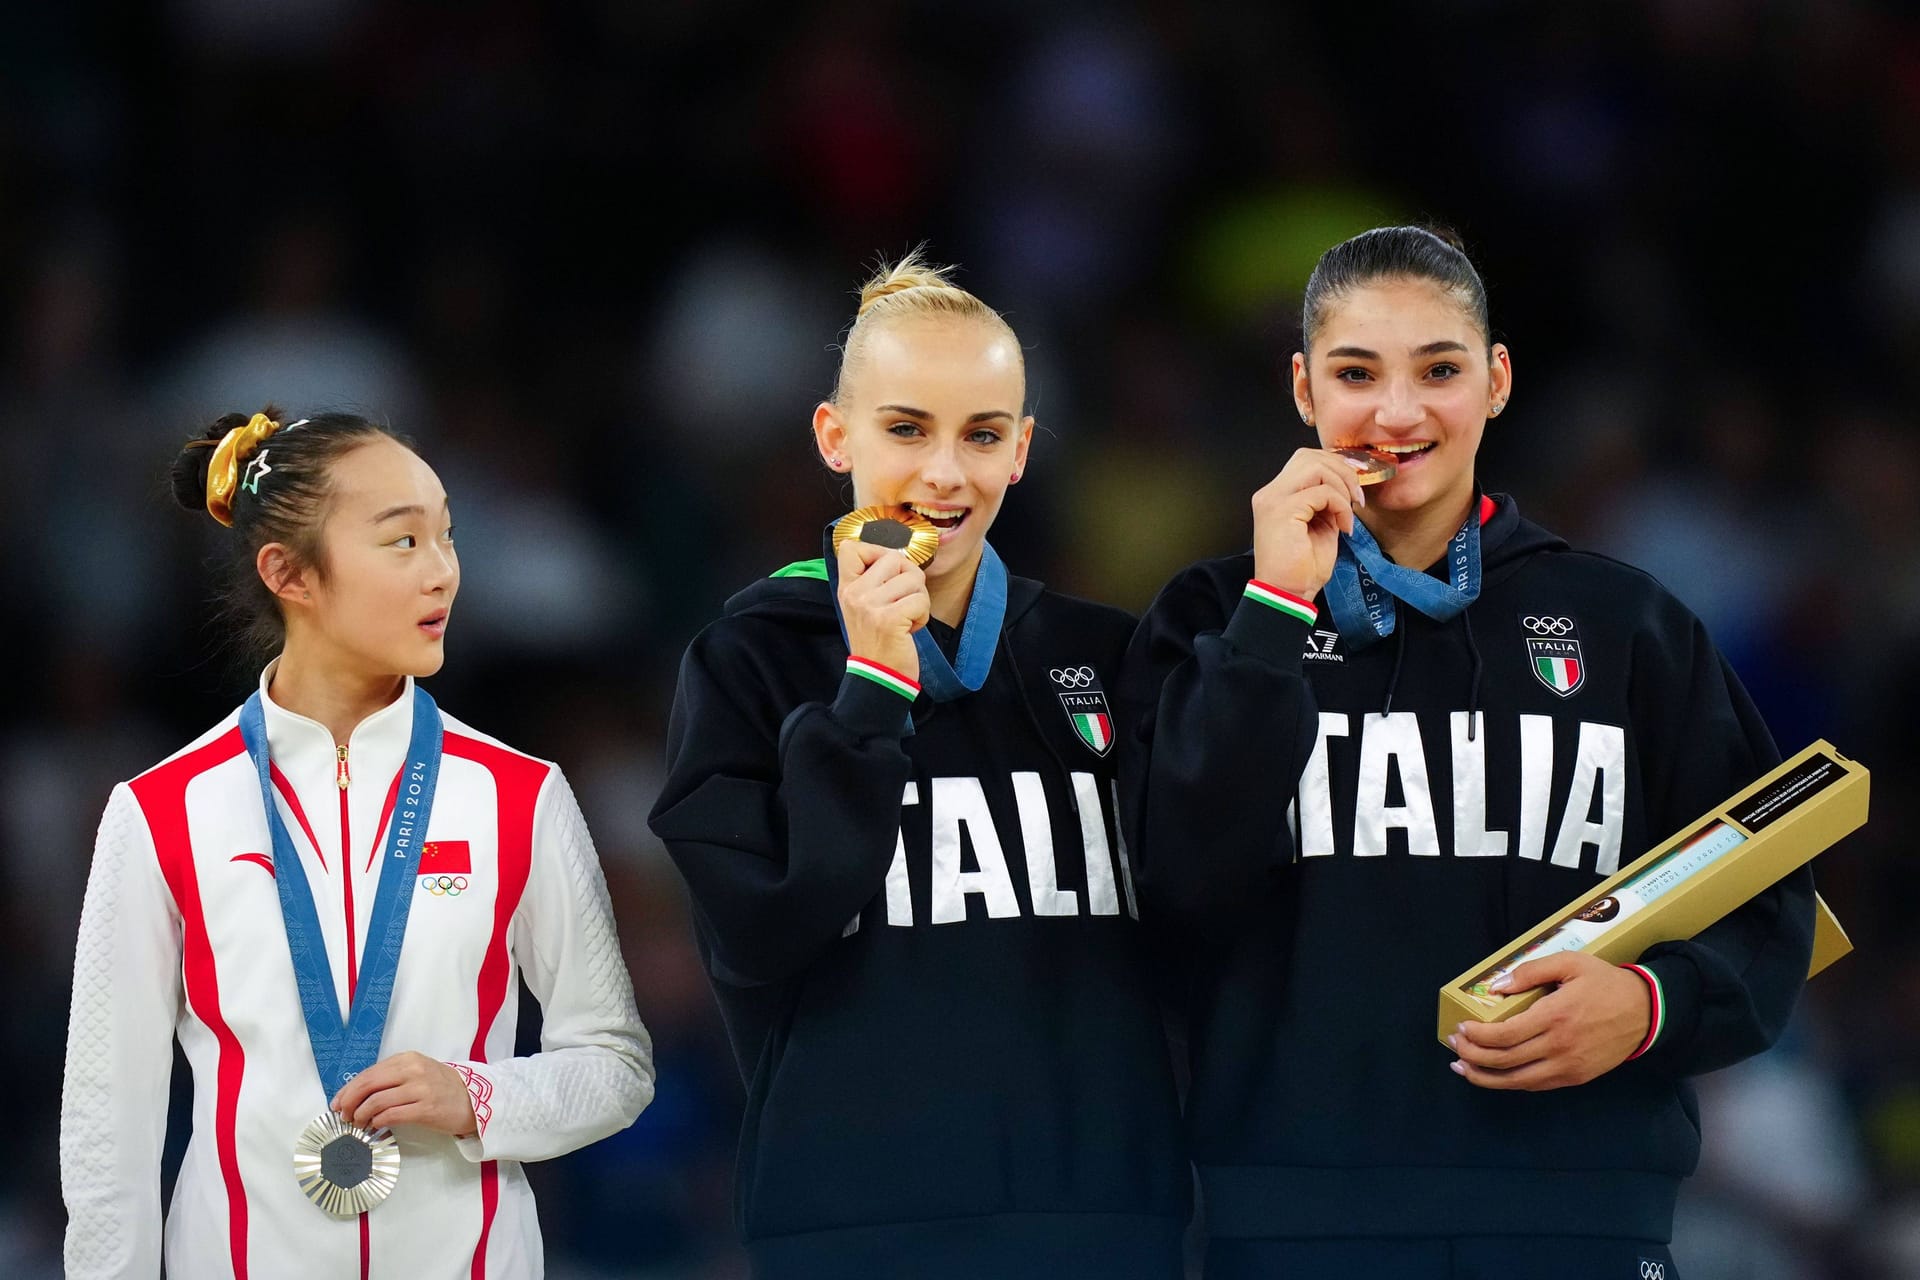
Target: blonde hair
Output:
[{"x": 912, "y": 288}]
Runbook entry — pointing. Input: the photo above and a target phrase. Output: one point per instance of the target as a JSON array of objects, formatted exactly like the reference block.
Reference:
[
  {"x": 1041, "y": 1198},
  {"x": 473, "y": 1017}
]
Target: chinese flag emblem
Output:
[{"x": 445, "y": 858}]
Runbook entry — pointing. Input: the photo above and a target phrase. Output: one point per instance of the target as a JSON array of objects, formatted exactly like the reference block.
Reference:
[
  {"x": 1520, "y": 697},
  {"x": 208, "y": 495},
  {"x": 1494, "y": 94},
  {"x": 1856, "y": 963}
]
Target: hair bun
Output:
[
  {"x": 189, "y": 471},
  {"x": 193, "y": 465},
  {"x": 911, "y": 272}
]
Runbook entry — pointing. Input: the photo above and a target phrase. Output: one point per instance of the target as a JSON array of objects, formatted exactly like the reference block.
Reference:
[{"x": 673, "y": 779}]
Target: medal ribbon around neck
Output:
[
  {"x": 941, "y": 680},
  {"x": 1364, "y": 585},
  {"x": 342, "y": 1048}
]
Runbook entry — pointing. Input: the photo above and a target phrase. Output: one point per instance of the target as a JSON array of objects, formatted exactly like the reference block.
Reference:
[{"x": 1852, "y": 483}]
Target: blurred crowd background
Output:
[{"x": 595, "y": 258}]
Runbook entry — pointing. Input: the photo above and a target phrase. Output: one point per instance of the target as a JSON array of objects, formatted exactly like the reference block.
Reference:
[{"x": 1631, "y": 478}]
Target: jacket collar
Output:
[{"x": 304, "y": 748}]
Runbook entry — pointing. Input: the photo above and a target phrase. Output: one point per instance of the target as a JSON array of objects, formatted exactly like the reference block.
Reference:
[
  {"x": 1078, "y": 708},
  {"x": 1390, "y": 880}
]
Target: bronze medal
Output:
[{"x": 1373, "y": 465}]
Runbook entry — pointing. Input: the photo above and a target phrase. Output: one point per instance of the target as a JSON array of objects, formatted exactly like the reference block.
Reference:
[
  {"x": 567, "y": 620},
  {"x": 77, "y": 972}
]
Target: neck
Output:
[
  {"x": 1415, "y": 539},
  {"x": 329, "y": 691},
  {"x": 952, "y": 592}
]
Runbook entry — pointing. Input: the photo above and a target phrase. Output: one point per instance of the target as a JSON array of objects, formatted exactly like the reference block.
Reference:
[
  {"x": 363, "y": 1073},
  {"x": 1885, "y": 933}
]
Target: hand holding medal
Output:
[
  {"x": 883, "y": 592},
  {"x": 408, "y": 1088},
  {"x": 1299, "y": 515},
  {"x": 346, "y": 1160}
]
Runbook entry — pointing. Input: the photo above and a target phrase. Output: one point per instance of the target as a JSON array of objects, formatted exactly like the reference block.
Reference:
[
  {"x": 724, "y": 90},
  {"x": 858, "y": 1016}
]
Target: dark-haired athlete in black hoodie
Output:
[
  {"x": 891, "y": 794},
  {"x": 1349, "y": 780}
]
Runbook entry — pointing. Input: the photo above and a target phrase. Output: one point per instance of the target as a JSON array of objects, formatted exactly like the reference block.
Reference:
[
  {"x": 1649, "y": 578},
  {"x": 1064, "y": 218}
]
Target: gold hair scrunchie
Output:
[{"x": 223, "y": 473}]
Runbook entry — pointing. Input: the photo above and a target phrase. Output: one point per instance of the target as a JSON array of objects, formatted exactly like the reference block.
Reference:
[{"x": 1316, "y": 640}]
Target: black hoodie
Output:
[
  {"x": 1345, "y": 831},
  {"x": 925, "y": 947}
]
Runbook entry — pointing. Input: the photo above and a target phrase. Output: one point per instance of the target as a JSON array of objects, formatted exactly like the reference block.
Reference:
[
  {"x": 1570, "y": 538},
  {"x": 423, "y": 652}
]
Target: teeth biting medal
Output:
[
  {"x": 1374, "y": 465},
  {"x": 900, "y": 528}
]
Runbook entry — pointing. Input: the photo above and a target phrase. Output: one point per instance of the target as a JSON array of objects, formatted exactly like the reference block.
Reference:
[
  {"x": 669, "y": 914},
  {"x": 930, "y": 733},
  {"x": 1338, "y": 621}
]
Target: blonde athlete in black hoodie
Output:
[
  {"x": 891, "y": 795},
  {"x": 1350, "y": 779}
]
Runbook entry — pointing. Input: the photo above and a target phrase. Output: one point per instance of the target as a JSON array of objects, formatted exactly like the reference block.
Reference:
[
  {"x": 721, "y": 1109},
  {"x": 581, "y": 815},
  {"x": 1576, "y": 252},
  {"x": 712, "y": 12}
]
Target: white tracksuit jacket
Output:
[{"x": 181, "y": 935}]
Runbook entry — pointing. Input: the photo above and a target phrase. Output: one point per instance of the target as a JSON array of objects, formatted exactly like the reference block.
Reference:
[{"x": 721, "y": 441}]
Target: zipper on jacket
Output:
[{"x": 343, "y": 777}]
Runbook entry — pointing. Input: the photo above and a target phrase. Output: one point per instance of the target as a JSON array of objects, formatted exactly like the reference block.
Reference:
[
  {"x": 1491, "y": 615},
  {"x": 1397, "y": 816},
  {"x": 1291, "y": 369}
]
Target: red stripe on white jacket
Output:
[{"x": 162, "y": 795}]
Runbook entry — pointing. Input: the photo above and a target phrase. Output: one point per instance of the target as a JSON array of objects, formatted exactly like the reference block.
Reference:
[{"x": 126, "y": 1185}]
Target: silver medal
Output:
[{"x": 344, "y": 1169}]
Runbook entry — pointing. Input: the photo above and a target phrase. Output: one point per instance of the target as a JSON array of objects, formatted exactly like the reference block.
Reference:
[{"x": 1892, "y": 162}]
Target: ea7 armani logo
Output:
[
  {"x": 1553, "y": 652},
  {"x": 1086, "y": 706},
  {"x": 1320, "y": 647}
]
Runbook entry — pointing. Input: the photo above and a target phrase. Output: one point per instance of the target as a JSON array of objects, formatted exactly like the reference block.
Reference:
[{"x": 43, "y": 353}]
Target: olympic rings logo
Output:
[
  {"x": 444, "y": 886},
  {"x": 1652, "y": 1270},
  {"x": 1548, "y": 626},
  {"x": 1072, "y": 677}
]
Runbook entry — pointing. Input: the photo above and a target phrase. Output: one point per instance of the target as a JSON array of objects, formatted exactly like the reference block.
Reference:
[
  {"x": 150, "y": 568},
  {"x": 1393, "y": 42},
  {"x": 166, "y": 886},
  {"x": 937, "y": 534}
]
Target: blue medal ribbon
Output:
[
  {"x": 342, "y": 1048},
  {"x": 1364, "y": 585},
  {"x": 944, "y": 681},
  {"x": 941, "y": 680}
]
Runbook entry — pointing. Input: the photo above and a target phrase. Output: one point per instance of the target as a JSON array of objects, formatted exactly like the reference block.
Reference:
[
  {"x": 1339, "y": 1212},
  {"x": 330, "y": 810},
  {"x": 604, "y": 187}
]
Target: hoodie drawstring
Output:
[
  {"x": 1473, "y": 690},
  {"x": 1473, "y": 687},
  {"x": 1399, "y": 655}
]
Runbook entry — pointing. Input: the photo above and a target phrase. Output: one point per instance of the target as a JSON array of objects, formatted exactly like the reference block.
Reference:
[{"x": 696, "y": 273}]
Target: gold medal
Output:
[
  {"x": 1373, "y": 465},
  {"x": 900, "y": 528},
  {"x": 344, "y": 1169}
]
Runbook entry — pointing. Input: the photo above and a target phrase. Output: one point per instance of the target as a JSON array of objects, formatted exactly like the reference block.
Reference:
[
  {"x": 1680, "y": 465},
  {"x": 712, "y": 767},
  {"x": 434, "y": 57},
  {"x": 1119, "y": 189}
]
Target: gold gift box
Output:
[{"x": 1706, "y": 870}]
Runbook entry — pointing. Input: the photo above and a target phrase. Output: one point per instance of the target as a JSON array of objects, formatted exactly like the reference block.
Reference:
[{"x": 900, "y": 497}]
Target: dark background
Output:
[{"x": 595, "y": 258}]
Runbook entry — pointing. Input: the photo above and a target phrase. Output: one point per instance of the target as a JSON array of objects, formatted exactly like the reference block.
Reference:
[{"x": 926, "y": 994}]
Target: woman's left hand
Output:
[
  {"x": 1597, "y": 1017},
  {"x": 408, "y": 1088}
]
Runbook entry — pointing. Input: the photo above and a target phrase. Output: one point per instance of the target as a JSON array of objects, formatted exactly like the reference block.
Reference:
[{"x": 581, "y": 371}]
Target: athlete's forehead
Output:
[
  {"x": 1394, "y": 319},
  {"x": 383, "y": 479},
  {"x": 947, "y": 368}
]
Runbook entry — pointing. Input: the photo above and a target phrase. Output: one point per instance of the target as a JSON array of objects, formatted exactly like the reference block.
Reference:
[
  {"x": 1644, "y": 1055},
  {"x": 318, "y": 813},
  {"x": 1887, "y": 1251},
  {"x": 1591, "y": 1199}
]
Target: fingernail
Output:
[
  {"x": 1501, "y": 983},
  {"x": 1458, "y": 1068},
  {"x": 1453, "y": 1041}
]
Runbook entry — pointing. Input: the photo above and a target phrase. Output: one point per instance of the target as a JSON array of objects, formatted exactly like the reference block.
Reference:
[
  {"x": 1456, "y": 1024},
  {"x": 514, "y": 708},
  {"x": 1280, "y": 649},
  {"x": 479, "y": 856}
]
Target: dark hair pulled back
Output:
[
  {"x": 1393, "y": 253},
  {"x": 283, "y": 498}
]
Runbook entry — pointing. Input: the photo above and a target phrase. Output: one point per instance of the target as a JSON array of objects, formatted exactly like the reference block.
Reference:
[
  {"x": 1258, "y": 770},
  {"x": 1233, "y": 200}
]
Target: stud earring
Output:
[
  {"x": 1014, "y": 478},
  {"x": 1498, "y": 407}
]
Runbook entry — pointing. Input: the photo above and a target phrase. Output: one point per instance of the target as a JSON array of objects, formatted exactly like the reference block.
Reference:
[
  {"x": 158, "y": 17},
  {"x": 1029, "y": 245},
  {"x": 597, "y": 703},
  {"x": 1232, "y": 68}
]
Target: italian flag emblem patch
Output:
[
  {"x": 1095, "y": 729},
  {"x": 1086, "y": 706},
  {"x": 1553, "y": 652},
  {"x": 1561, "y": 674}
]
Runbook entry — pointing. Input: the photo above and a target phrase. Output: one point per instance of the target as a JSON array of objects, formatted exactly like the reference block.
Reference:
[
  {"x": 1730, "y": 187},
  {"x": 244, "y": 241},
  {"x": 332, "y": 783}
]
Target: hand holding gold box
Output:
[{"x": 1684, "y": 884}]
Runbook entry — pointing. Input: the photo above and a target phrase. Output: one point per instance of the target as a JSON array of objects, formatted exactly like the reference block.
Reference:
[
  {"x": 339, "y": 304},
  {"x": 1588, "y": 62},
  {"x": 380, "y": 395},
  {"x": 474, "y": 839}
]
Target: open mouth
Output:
[
  {"x": 945, "y": 519},
  {"x": 435, "y": 623},
  {"x": 1400, "y": 452}
]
